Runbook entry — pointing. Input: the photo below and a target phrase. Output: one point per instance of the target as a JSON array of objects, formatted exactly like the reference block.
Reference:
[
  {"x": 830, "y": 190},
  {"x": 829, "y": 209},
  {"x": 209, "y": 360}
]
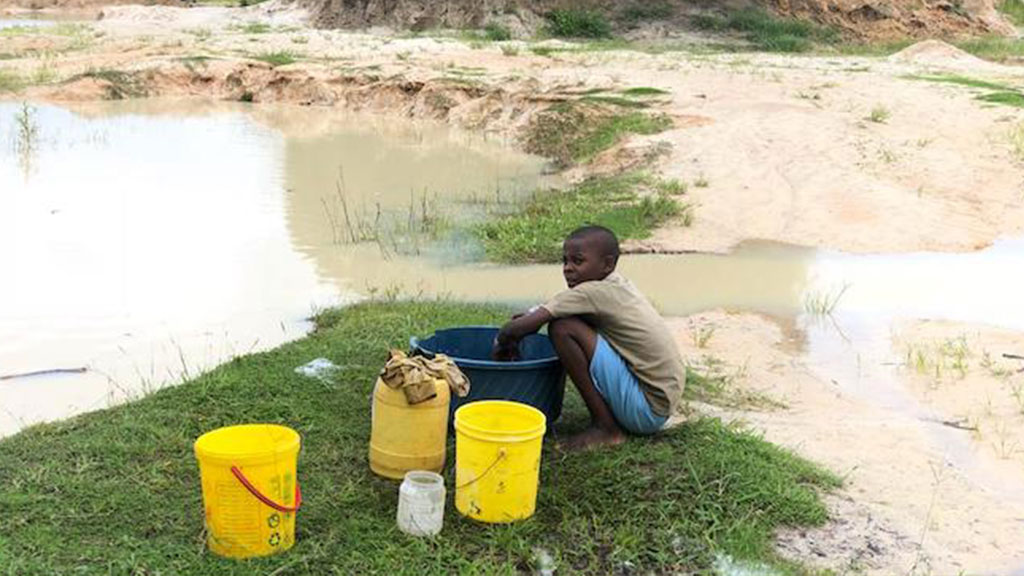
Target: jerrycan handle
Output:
[{"x": 259, "y": 495}]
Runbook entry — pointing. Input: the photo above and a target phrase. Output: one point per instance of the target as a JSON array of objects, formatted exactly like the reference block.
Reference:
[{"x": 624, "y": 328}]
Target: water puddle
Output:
[
  {"x": 8, "y": 23},
  {"x": 148, "y": 241}
]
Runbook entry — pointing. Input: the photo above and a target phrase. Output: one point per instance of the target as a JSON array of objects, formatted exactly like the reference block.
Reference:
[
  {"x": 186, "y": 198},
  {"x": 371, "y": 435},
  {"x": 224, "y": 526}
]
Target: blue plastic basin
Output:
[{"x": 537, "y": 378}]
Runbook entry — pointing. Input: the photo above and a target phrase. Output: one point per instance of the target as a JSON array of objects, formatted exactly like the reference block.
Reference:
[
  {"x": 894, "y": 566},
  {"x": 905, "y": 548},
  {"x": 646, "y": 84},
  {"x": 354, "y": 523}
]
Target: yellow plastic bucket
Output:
[
  {"x": 250, "y": 490},
  {"x": 497, "y": 460}
]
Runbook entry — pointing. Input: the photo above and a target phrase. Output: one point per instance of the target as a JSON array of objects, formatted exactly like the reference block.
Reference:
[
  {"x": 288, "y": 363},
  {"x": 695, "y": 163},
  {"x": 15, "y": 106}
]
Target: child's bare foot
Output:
[{"x": 592, "y": 438}]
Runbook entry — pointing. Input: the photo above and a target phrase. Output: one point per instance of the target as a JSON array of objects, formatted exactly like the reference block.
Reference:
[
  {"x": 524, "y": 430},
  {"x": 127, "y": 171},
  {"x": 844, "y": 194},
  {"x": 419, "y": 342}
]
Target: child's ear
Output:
[{"x": 609, "y": 263}]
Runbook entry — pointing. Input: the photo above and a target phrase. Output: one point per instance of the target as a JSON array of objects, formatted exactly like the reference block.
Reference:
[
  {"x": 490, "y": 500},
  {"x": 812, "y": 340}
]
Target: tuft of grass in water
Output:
[
  {"x": 768, "y": 32},
  {"x": 279, "y": 58},
  {"x": 643, "y": 91},
  {"x": 1013, "y": 9},
  {"x": 571, "y": 132},
  {"x": 824, "y": 302},
  {"x": 26, "y": 137},
  {"x": 121, "y": 85},
  {"x": 117, "y": 491},
  {"x": 510, "y": 50},
  {"x": 536, "y": 232},
  {"x": 578, "y": 23},
  {"x": 496, "y": 32},
  {"x": 879, "y": 114},
  {"x": 936, "y": 360}
]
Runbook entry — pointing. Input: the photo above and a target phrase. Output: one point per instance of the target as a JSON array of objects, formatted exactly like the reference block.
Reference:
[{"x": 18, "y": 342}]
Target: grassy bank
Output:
[
  {"x": 632, "y": 205},
  {"x": 117, "y": 492}
]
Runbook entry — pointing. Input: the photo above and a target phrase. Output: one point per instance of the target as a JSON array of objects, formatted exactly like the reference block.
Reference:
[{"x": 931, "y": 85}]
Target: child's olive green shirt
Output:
[{"x": 634, "y": 329}]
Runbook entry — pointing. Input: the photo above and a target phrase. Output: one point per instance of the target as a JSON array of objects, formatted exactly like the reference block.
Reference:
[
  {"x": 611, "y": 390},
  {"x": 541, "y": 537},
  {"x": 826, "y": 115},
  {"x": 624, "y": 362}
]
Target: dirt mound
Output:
[
  {"x": 936, "y": 53},
  {"x": 869, "y": 19},
  {"x": 881, "y": 19}
]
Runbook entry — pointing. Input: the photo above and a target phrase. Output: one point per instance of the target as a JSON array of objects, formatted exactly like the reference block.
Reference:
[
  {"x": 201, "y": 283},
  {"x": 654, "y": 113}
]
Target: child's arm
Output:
[{"x": 505, "y": 345}]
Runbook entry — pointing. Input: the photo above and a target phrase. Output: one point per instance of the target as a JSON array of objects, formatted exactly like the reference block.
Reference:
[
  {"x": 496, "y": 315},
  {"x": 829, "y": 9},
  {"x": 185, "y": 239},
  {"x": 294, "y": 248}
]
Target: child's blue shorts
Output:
[{"x": 622, "y": 392}]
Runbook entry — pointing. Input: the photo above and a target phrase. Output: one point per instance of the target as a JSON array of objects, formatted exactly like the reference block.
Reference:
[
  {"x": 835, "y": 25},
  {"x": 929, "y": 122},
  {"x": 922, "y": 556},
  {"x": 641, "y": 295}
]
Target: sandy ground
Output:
[
  {"x": 783, "y": 147},
  {"x": 908, "y": 506}
]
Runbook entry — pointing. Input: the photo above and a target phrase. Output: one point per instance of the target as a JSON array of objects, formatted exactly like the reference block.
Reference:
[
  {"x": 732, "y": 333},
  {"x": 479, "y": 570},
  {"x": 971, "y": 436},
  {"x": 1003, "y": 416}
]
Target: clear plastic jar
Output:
[{"x": 421, "y": 503}]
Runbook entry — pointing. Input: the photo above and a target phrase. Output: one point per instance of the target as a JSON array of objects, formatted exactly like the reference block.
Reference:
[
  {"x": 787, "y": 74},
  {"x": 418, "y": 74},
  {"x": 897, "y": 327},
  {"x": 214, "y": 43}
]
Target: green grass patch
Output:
[
  {"x": 647, "y": 10},
  {"x": 117, "y": 491},
  {"x": 994, "y": 48},
  {"x": 619, "y": 101},
  {"x": 578, "y": 23},
  {"x": 768, "y": 32},
  {"x": 535, "y": 233},
  {"x": 1014, "y": 10},
  {"x": 876, "y": 49},
  {"x": 644, "y": 91},
  {"x": 959, "y": 81},
  {"x": 280, "y": 58},
  {"x": 10, "y": 81},
  {"x": 1002, "y": 94},
  {"x": 1008, "y": 98},
  {"x": 59, "y": 29},
  {"x": 573, "y": 132},
  {"x": 255, "y": 28}
]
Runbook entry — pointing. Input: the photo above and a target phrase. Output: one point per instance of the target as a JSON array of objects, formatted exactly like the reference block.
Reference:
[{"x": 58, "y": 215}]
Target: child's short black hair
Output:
[{"x": 606, "y": 239}]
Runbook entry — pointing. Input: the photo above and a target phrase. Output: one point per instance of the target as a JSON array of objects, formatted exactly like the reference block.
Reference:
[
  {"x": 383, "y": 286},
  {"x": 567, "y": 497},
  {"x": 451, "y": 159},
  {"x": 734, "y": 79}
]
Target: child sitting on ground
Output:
[{"x": 614, "y": 345}]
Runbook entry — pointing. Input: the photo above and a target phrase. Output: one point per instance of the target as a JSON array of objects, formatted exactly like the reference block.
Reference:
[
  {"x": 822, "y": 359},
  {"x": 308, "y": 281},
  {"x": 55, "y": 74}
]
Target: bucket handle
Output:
[
  {"x": 501, "y": 456},
  {"x": 259, "y": 495}
]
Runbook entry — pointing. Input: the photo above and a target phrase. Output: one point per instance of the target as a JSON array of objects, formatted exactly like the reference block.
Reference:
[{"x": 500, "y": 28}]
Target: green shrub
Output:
[
  {"x": 766, "y": 31},
  {"x": 497, "y": 32},
  {"x": 1014, "y": 10},
  {"x": 578, "y": 23},
  {"x": 648, "y": 10}
]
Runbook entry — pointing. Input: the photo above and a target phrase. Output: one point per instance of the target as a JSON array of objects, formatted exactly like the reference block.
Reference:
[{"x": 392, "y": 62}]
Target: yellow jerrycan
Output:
[{"x": 406, "y": 437}]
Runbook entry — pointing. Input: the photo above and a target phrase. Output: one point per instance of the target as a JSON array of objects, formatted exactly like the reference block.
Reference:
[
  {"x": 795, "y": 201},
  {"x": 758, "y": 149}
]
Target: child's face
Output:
[{"x": 583, "y": 260}]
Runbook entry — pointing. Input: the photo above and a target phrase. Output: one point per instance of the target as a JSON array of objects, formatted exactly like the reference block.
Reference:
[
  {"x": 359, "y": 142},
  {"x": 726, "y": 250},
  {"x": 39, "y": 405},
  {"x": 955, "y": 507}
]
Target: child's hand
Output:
[{"x": 508, "y": 352}]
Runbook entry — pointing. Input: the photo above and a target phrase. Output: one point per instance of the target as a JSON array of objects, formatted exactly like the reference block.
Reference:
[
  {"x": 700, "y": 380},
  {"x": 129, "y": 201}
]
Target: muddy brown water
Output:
[{"x": 148, "y": 241}]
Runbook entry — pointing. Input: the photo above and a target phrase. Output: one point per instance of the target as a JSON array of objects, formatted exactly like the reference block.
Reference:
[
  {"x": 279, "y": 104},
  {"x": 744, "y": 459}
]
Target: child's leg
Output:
[{"x": 575, "y": 342}]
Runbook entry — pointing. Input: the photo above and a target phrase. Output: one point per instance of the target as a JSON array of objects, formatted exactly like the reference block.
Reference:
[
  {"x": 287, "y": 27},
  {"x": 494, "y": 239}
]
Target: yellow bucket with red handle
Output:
[{"x": 250, "y": 489}]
